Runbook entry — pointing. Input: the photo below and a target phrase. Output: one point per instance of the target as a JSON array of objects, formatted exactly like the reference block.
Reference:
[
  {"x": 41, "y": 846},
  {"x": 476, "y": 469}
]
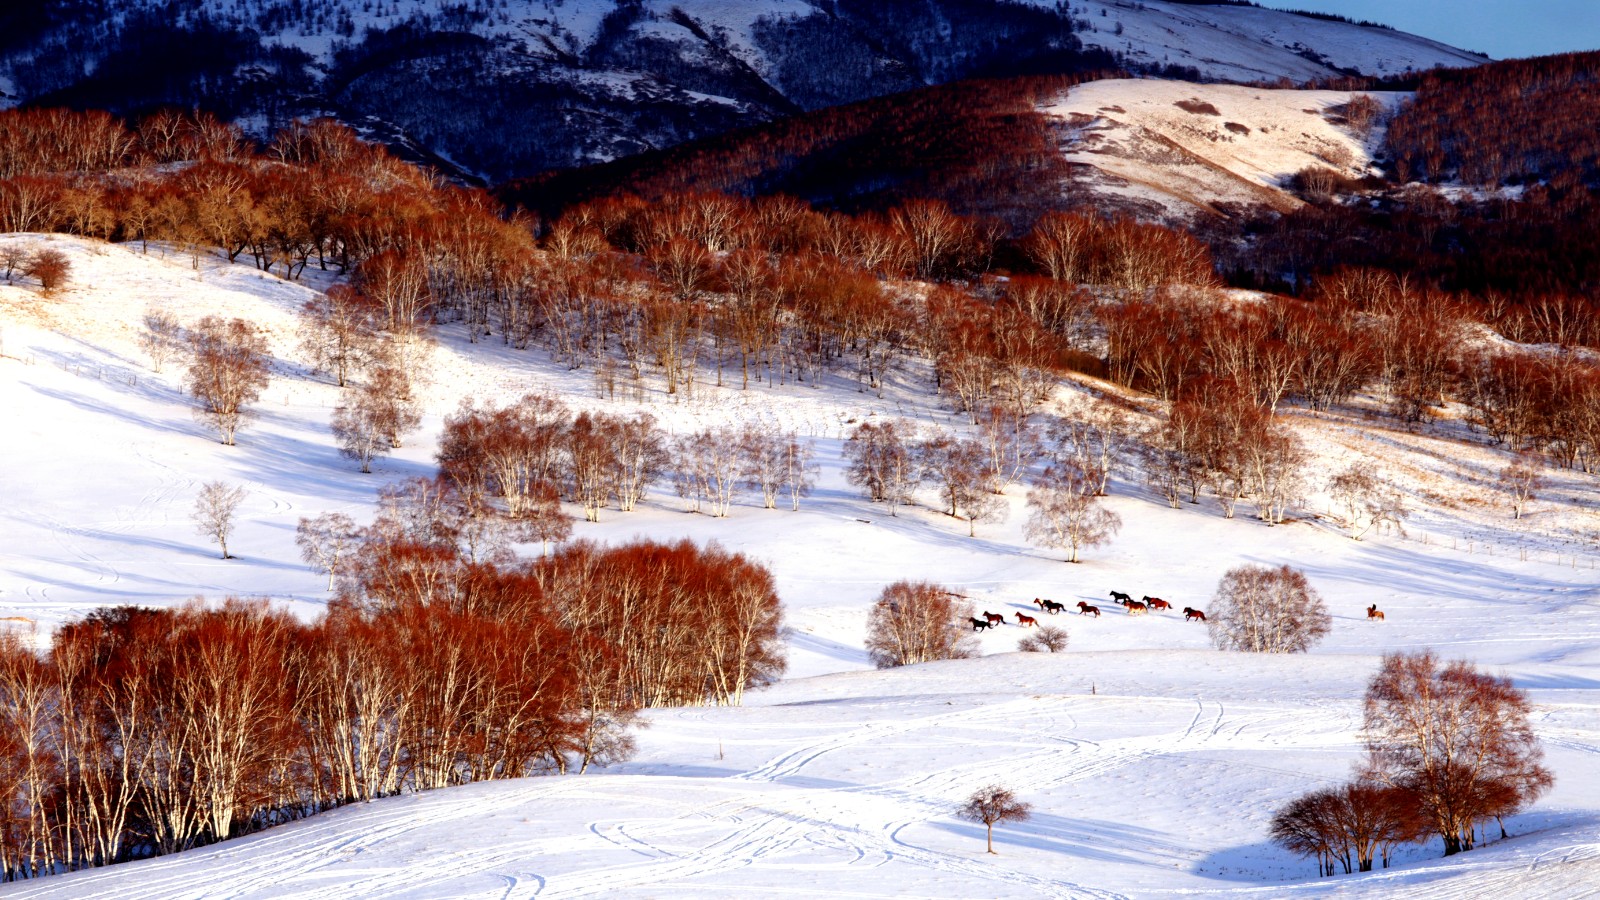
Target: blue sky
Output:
[{"x": 1500, "y": 28}]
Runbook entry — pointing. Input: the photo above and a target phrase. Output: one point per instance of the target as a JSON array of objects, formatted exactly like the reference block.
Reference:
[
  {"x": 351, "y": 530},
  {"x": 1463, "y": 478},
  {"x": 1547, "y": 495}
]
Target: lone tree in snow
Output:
[
  {"x": 1521, "y": 481},
  {"x": 228, "y": 369},
  {"x": 162, "y": 337},
  {"x": 918, "y": 621},
  {"x": 51, "y": 267},
  {"x": 1066, "y": 511},
  {"x": 213, "y": 511},
  {"x": 1265, "y": 610},
  {"x": 991, "y": 805}
]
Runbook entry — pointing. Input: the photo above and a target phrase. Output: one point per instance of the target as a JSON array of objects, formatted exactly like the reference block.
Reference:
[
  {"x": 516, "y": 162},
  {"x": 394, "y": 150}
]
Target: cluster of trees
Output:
[
  {"x": 316, "y": 192},
  {"x": 516, "y": 462},
  {"x": 889, "y": 460},
  {"x": 1514, "y": 121},
  {"x": 1448, "y": 748},
  {"x": 143, "y": 732}
]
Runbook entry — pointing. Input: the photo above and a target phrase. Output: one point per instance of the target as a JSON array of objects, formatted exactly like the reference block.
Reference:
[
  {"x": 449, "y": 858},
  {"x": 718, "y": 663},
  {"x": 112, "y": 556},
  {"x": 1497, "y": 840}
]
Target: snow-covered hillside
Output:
[
  {"x": 1173, "y": 148},
  {"x": 1153, "y": 762}
]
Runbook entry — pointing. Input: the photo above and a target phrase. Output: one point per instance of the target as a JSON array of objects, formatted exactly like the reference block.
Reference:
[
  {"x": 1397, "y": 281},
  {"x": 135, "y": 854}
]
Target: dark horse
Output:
[
  {"x": 1122, "y": 598},
  {"x": 1050, "y": 606},
  {"x": 981, "y": 624}
]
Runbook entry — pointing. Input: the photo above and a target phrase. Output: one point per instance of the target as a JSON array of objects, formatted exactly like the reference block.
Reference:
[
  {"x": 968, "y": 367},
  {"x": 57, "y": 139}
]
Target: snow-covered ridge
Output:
[{"x": 1152, "y": 761}]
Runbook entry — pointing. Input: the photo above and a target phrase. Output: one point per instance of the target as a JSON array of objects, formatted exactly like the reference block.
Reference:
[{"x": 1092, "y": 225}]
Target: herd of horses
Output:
[{"x": 1134, "y": 607}]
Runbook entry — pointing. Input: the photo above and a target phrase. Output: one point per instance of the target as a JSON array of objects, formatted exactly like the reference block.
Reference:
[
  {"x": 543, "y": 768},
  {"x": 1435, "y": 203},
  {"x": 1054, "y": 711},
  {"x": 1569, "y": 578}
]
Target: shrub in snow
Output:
[{"x": 1045, "y": 638}]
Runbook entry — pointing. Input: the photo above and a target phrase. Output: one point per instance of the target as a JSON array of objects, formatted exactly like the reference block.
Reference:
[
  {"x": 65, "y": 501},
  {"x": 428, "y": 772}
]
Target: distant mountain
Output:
[{"x": 491, "y": 89}]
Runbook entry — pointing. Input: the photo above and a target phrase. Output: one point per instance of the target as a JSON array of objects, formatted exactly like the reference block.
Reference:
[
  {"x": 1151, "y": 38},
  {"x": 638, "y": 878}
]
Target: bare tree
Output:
[
  {"x": 936, "y": 239},
  {"x": 13, "y": 257},
  {"x": 918, "y": 621},
  {"x": 1367, "y": 501},
  {"x": 391, "y": 402},
  {"x": 1522, "y": 481},
  {"x": 214, "y": 509},
  {"x": 374, "y": 416},
  {"x": 1061, "y": 244},
  {"x": 993, "y": 805},
  {"x": 800, "y": 472},
  {"x": 762, "y": 450},
  {"x": 1270, "y": 462},
  {"x": 1010, "y": 442},
  {"x": 228, "y": 368},
  {"x": 327, "y": 541},
  {"x": 1457, "y": 738},
  {"x": 339, "y": 332},
  {"x": 1265, "y": 610},
  {"x": 360, "y": 437},
  {"x": 1066, "y": 512},
  {"x": 162, "y": 337}
]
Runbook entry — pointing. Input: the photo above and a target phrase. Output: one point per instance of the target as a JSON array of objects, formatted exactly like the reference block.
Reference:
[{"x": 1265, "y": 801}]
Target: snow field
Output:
[{"x": 1152, "y": 761}]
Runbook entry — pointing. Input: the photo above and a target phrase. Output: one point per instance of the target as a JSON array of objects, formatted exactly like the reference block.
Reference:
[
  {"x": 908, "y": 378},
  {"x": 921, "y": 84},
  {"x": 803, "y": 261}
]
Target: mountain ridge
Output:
[{"x": 490, "y": 92}]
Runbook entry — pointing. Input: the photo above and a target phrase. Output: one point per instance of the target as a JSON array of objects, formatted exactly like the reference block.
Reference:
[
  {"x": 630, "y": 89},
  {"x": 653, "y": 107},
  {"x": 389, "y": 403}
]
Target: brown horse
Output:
[
  {"x": 1086, "y": 609},
  {"x": 1049, "y": 606},
  {"x": 994, "y": 618},
  {"x": 1156, "y": 603},
  {"x": 1135, "y": 608},
  {"x": 1373, "y": 612},
  {"x": 1193, "y": 615},
  {"x": 1026, "y": 621}
]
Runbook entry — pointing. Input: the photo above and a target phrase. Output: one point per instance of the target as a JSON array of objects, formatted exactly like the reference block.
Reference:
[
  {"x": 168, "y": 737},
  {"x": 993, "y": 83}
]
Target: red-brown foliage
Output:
[{"x": 1515, "y": 120}]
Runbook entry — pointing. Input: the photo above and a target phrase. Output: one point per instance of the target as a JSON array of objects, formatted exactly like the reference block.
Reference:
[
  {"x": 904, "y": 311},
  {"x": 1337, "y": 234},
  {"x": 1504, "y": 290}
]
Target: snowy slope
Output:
[
  {"x": 1138, "y": 148},
  {"x": 1153, "y": 762},
  {"x": 1243, "y": 43}
]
